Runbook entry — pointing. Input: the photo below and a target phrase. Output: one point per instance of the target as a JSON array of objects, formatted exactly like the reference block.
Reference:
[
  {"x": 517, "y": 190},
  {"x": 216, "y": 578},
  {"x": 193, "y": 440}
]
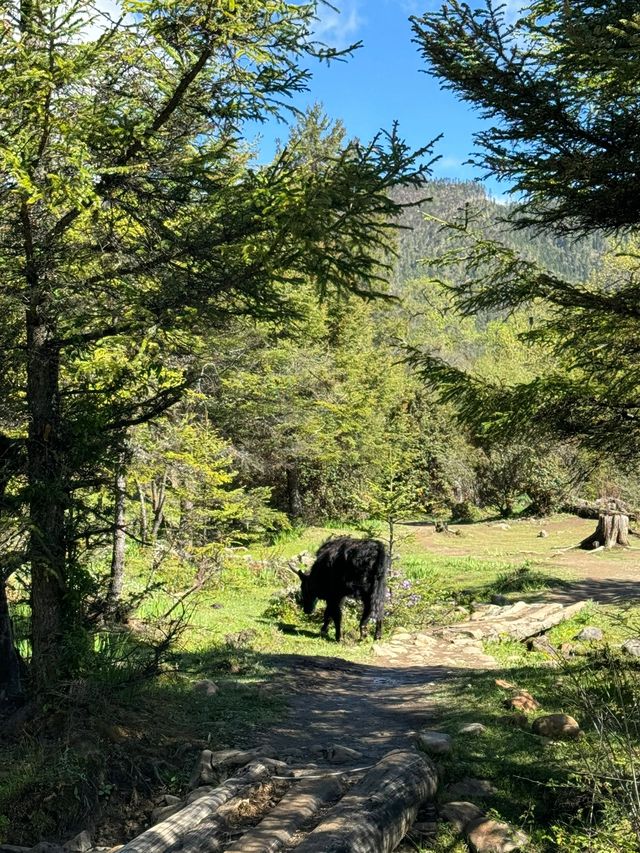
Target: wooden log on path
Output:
[
  {"x": 378, "y": 812},
  {"x": 294, "y": 811},
  {"x": 521, "y": 621},
  {"x": 200, "y": 825}
]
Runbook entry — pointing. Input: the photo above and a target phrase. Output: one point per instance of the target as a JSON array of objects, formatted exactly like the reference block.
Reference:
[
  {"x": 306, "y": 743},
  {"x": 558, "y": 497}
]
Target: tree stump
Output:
[{"x": 612, "y": 529}]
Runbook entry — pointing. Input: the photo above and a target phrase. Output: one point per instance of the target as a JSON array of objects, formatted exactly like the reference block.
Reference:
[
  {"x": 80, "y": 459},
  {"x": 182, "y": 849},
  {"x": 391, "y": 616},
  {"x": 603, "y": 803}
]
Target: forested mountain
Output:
[
  {"x": 323, "y": 411},
  {"x": 451, "y": 201}
]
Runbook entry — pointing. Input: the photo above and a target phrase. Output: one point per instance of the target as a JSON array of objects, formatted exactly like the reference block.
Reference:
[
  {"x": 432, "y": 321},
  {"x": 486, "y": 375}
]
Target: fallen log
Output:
[
  {"x": 519, "y": 621},
  {"x": 294, "y": 812},
  {"x": 593, "y": 510},
  {"x": 378, "y": 812},
  {"x": 202, "y": 824}
]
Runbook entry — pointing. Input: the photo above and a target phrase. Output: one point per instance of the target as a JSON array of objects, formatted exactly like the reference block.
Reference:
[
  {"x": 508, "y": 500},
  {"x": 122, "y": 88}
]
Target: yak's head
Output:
[{"x": 309, "y": 597}]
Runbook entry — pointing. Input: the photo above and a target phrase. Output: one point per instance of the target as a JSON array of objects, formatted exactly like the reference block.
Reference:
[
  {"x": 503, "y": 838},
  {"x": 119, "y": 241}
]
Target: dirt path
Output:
[
  {"x": 369, "y": 708},
  {"x": 372, "y": 708}
]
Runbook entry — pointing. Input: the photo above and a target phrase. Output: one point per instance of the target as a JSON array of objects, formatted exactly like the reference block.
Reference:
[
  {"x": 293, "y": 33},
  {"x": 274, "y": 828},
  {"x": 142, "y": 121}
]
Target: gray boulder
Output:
[
  {"x": 632, "y": 647},
  {"x": 460, "y": 814},
  {"x": 433, "y": 743},
  {"x": 492, "y": 836},
  {"x": 80, "y": 843},
  {"x": 590, "y": 634}
]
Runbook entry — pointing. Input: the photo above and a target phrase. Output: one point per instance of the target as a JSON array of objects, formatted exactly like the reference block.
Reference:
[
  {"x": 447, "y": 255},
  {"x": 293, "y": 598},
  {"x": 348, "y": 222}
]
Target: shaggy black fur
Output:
[{"x": 346, "y": 567}]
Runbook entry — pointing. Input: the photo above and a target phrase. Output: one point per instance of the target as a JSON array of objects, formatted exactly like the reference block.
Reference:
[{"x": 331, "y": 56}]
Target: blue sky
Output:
[{"x": 385, "y": 81}]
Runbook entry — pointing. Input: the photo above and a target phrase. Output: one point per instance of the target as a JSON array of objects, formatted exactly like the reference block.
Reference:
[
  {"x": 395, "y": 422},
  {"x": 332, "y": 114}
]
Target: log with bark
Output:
[
  {"x": 203, "y": 823},
  {"x": 612, "y": 530},
  {"x": 378, "y": 812},
  {"x": 293, "y": 813}
]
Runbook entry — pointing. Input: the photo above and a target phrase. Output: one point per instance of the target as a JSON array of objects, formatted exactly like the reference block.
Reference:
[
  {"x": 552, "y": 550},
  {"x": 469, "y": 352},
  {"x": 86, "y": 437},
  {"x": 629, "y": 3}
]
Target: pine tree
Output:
[
  {"x": 559, "y": 88},
  {"x": 133, "y": 218},
  {"x": 561, "y": 91}
]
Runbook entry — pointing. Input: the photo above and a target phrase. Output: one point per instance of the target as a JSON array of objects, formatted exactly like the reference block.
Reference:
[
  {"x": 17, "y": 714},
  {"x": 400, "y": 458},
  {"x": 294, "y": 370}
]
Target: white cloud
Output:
[
  {"x": 450, "y": 163},
  {"x": 339, "y": 27}
]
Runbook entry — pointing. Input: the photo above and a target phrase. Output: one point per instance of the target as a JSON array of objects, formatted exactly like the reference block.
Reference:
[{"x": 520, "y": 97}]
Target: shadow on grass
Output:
[
  {"x": 296, "y": 631},
  {"x": 524, "y": 578}
]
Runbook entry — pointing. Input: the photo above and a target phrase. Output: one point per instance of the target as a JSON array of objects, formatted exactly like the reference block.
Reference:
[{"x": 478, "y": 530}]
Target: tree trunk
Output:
[
  {"x": 158, "y": 498},
  {"x": 186, "y": 520},
  {"x": 116, "y": 580},
  {"x": 143, "y": 512},
  {"x": 48, "y": 498},
  {"x": 10, "y": 682},
  {"x": 294, "y": 498},
  {"x": 612, "y": 529}
]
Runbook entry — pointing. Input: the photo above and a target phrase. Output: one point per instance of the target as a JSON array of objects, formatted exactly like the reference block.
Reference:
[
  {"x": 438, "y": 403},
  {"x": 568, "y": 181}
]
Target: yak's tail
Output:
[{"x": 379, "y": 591}]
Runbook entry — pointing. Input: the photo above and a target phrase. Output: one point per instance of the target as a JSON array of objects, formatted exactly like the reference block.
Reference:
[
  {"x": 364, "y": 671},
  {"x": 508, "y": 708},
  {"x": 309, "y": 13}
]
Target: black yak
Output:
[{"x": 346, "y": 567}]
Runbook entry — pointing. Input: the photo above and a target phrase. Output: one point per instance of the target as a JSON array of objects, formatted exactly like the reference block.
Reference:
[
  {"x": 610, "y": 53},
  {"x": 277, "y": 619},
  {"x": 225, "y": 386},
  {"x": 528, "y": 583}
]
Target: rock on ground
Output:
[
  {"x": 632, "y": 647},
  {"x": 433, "y": 743},
  {"x": 460, "y": 814},
  {"x": 473, "y": 729},
  {"x": 493, "y": 836},
  {"x": 206, "y": 687},
  {"x": 80, "y": 843},
  {"x": 523, "y": 701},
  {"x": 556, "y": 727},
  {"x": 590, "y": 634}
]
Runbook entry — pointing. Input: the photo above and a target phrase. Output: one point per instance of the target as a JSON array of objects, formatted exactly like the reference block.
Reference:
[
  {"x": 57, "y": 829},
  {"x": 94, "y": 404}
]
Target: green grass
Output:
[{"x": 537, "y": 789}]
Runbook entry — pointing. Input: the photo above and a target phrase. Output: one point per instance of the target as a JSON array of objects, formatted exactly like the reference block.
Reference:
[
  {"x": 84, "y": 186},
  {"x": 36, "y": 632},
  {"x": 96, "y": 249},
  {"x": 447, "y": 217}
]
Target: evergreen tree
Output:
[
  {"x": 133, "y": 218},
  {"x": 560, "y": 85}
]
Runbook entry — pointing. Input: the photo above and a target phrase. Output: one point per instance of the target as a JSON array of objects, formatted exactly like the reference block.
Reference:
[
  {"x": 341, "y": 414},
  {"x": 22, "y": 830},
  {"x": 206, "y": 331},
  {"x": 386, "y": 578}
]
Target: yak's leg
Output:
[
  {"x": 366, "y": 615},
  {"x": 336, "y": 615},
  {"x": 328, "y": 616}
]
